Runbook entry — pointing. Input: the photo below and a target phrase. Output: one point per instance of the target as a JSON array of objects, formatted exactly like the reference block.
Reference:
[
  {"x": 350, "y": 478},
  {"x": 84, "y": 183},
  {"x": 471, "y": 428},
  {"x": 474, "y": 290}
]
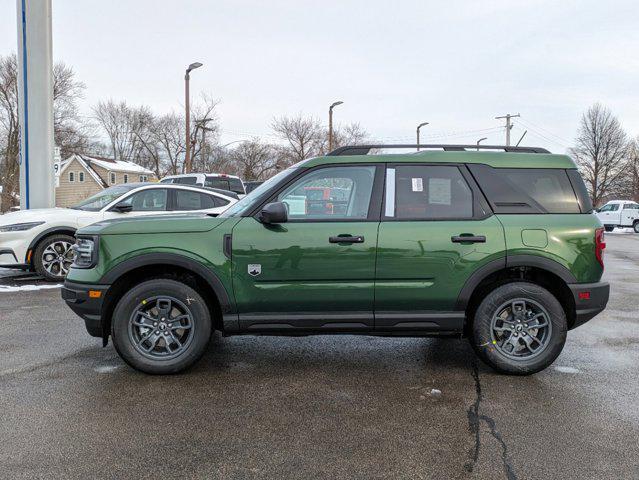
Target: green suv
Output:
[{"x": 500, "y": 247}]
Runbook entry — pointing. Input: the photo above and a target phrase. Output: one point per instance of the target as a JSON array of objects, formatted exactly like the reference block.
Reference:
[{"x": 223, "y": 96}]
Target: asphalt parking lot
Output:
[{"x": 318, "y": 407}]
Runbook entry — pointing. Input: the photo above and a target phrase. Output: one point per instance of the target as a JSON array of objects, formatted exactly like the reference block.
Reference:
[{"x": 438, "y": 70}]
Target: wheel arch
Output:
[
  {"x": 547, "y": 273},
  {"x": 60, "y": 230},
  {"x": 164, "y": 265}
]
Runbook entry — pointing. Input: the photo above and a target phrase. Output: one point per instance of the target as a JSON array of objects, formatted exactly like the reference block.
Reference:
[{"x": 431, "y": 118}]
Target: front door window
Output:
[{"x": 336, "y": 193}]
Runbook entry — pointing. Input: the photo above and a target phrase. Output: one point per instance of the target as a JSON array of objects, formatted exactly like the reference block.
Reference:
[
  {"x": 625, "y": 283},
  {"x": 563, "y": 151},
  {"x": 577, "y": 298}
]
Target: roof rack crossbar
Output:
[{"x": 365, "y": 149}]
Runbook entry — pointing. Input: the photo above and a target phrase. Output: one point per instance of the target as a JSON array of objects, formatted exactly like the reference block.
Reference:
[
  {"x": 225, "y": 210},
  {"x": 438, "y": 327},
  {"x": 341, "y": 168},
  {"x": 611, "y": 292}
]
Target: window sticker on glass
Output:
[
  {"x": 439, "y": 191},
  {"x": 418, "y": 184}
]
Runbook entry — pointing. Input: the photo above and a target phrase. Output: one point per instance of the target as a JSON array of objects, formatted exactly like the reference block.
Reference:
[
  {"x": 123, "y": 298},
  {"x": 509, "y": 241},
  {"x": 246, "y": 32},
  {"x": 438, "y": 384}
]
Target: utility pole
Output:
[
  {"x": 187, "y": 108},
  {"x": 330, "y": 124},
  {"x": 423, "y": 124},
  {"x": 509, "y": 126}
]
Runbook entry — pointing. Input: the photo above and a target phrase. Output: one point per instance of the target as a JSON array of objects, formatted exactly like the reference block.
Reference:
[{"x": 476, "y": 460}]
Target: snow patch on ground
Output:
[
  {"x": 26, "y": 288},
  {"x": 566, "y": 369}
]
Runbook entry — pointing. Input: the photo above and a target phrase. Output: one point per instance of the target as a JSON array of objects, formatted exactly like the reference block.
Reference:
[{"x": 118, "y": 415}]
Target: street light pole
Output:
[
  {"x": 330, "y": 124},
  {"x": 187, "y": 107},
  {"x": 423, "y": 124},
  {"x": 481, "y": 140}
]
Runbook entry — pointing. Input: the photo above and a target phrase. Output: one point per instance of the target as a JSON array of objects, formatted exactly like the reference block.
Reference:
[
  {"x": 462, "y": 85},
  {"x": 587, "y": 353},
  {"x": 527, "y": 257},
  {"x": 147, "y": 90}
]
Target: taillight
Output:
[{"x": 600, "y": 245}]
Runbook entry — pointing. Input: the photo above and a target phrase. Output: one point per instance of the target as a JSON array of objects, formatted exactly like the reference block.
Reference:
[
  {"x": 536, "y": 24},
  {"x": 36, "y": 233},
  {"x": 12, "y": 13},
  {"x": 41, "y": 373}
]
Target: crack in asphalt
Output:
[{"x": 474, "y": 425}]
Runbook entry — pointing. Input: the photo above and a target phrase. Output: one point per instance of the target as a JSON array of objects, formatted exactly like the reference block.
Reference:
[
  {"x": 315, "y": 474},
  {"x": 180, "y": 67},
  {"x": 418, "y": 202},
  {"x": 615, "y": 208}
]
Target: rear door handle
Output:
[
  {"x": 468, "y": 239},
  {"x": 346, "y": 239}
]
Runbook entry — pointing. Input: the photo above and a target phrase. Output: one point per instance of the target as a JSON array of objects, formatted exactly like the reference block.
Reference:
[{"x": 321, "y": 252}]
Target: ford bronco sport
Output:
[{"x": 500, "y": 247}]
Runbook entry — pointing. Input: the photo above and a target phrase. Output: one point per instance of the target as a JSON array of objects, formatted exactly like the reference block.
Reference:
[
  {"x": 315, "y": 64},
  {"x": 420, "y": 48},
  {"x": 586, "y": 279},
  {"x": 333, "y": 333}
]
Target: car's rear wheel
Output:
[
  {"x": 161, "y": 326},
  {"x": 53, "y": 256},
  {"x": 609, "y": 228},
  {"x": 519, "y": 328}
]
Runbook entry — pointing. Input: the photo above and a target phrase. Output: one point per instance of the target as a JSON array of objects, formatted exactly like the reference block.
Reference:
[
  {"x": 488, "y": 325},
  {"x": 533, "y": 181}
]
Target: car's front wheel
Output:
[
  {"x": 161, "y": 326},
  {"x": 635, "y": 226},
  {"x": 609, "y": 228},
  {"x": 519, "y": 328},
  {"x": 53, "y": 256}
]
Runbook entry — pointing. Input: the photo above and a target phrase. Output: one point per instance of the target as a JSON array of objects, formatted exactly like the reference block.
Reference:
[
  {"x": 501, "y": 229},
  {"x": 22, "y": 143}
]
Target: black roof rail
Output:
[{"x": 365, "y": 149}]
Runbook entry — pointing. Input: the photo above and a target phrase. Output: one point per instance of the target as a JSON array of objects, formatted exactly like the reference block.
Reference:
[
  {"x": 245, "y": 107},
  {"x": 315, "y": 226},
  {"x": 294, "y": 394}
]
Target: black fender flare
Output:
[
  {"x": 177, "y": 260},
  {"x": 493, "y": 266},
  {"x": 46, "y": 233}
]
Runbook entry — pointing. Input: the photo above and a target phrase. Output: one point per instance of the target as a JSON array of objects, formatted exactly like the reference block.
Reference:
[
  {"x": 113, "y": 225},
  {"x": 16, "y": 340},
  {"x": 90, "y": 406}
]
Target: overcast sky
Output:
[{"x": 455, "y": 64}]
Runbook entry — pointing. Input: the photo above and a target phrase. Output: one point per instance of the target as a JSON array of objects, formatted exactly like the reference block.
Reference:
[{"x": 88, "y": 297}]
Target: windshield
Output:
[
  {"x": 103, "y": 198},
  {"x": 256, "y": 195},
  {"x": 225, "y": 183}
]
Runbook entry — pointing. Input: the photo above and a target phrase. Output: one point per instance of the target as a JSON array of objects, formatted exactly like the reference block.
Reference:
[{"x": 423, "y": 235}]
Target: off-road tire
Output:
[
  {"x": 122, "y": 326},
  {"x": 482, "y": 334}
]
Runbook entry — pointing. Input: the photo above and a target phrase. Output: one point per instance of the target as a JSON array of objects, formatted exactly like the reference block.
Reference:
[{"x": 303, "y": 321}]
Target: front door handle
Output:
[
  {"x": 346, "y": 239},
  {"x": 466, "y": 238}
]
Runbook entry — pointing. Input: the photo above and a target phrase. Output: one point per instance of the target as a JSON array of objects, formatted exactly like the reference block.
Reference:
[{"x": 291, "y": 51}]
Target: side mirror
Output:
[
  {"x": 123, "y": 208},
  {"x": 273, "y": 213}
]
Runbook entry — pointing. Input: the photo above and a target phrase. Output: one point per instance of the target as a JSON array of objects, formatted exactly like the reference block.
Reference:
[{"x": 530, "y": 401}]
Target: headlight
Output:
[
  {"x": 85, "y": 252},
  {"x": 19, "y": 227}
]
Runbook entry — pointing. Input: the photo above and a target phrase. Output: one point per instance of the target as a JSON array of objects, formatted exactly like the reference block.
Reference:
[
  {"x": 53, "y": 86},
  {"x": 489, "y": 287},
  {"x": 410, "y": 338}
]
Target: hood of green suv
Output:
[{"x": 177, "y": 223}]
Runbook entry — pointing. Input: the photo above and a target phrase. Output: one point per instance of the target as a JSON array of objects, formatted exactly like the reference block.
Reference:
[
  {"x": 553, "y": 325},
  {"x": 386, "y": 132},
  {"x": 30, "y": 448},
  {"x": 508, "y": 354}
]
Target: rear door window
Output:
[
  {"x": 190, "y": 200},
  {"x": 427, "y": 192}
]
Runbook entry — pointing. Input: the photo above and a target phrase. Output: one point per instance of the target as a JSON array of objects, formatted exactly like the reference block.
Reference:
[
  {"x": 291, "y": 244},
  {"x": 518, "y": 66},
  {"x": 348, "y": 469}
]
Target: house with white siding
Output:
[{"x": 82, "y": 176}]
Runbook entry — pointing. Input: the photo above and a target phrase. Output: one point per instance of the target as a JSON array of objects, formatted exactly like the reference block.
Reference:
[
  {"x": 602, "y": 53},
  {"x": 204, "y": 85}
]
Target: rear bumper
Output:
[
  {"x": 590, "y": 300},
  {"x": 89, "y": 308}
]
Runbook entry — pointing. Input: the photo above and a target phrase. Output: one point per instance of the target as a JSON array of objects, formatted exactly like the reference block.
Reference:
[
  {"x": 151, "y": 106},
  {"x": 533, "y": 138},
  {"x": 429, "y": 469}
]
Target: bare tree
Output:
[
  {"x": 168, "y": 133},
  {"x": 125, "y": 127},
  {"x": 628, "y": 184},
  {"x": 351, "y": 134},
  {"x": 204, "y": 132},
  {"x": 69, "y": 132},
  {"x": 600, "y": 151},
  {"x": 305, "y": 137},
  {"x": 255, "y": 160},
  {"x": 9, "y": 171}
]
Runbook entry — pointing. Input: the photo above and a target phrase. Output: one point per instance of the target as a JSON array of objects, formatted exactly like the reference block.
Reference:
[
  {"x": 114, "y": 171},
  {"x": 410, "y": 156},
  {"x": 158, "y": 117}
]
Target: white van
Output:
[{"x": 619, "y": 213}]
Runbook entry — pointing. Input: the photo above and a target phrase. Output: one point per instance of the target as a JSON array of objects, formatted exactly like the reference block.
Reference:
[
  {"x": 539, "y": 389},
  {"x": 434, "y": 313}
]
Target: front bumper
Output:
[
  {"x": 8, "y": 259},
  {"x": 88, "y": 306},
  {"x": 590, "y": 300},
  {"x": 13, "y": 249}
]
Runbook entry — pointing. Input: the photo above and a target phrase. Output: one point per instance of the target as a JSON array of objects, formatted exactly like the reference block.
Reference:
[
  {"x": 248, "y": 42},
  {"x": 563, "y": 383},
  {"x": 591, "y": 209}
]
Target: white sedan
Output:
[{"x": 41, "y": 239}]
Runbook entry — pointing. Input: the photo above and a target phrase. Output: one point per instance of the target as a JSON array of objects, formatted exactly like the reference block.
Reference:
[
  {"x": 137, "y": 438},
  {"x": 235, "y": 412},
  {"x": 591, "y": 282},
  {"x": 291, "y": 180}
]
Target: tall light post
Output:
[
  {"x": 187, "y": 77},
  {"x": 330, "y": 124},
  {"x": 423, "y": 124},
  {"x": 481, "y": 140}
]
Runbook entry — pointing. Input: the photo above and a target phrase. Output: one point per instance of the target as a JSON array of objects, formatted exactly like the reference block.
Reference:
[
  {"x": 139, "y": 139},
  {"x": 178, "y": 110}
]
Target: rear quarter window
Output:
[{"x": 527, "y": 190}]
